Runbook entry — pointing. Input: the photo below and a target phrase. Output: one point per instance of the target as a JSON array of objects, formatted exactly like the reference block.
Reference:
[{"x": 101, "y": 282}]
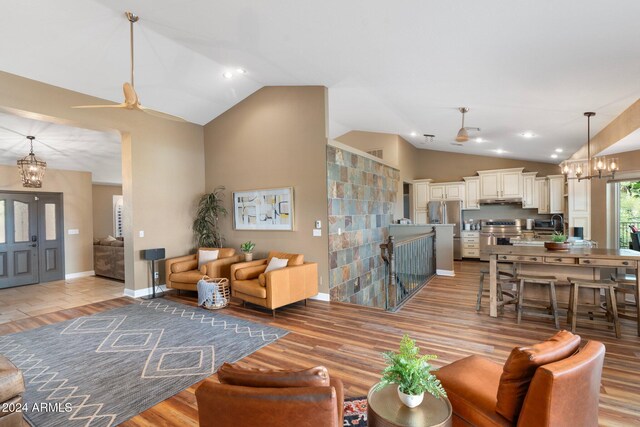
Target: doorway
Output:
[
  {"x": 31, "y": 238},
  {"x": 628, "y": 210}
]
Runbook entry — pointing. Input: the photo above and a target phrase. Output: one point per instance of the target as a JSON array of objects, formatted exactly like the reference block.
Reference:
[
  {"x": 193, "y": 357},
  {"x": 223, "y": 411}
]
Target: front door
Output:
[{"x": 31, "y": 239}]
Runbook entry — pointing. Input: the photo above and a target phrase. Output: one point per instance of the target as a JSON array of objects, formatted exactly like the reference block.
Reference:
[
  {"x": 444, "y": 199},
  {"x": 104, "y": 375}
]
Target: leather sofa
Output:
[
  {"x": 11, "y": 390},
  {"x": 295, "y": 282},
  {"x": 548, "y": 384},
  {"x": 267, "y": 398},
  {"x": 182, "y": 273}
]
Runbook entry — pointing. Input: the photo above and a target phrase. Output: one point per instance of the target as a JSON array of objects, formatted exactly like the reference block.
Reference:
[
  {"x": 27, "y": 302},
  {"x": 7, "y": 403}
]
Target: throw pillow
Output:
[
  {"x": 276, "y": 264},
  {"x": 110, "y": 238},
  {"x": 312, "y": 377},
  {"x": 205, "y": 256},
  {"x": 521, "y": 365},
  {"x": 249, "y": 273}
]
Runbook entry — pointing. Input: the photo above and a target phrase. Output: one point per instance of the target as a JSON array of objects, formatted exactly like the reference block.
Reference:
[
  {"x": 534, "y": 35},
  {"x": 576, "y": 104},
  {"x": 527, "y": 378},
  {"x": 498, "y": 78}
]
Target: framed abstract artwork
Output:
[{"x": 270, "y": 209}]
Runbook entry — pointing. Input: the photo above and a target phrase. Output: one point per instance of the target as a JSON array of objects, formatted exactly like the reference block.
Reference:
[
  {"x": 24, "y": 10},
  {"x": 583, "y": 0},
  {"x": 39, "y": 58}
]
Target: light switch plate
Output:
[
  {"x": 141, "y": 233},
  {"x": 318, "y": 224},
  {"x": 317, "y": 232},
  {"x": 73, "y": 231}
]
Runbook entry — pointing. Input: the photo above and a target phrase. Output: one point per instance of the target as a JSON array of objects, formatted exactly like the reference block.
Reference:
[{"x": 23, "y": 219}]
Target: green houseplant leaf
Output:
[
  {"x": 205, "y": 225},
  {"x": 247, "y": 247},
  {"x": 410, "y": 371}
]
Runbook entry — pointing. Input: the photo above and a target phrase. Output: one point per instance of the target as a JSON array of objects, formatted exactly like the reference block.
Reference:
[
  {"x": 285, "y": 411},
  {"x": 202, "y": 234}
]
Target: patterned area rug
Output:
[
  {"x": 355, "y": 412},
  {"x": 103, "y": 369}
]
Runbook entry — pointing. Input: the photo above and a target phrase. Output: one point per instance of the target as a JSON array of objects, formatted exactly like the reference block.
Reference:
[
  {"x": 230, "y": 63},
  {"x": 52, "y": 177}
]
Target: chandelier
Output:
[
  {"x": 581, "y": 169},
  {"x": 31, "y": 169}
]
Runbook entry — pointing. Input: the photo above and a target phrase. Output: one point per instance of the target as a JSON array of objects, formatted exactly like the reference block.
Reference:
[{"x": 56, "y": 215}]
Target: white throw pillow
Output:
[
  {"x": 276, "y": 264},
  {"x": 206, "y": 256}
]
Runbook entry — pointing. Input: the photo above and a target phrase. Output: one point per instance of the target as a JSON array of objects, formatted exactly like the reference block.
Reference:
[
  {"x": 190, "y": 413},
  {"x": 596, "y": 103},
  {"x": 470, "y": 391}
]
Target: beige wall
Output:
[
  {"x": 76, "y": 190},
  {"x": 162, "y": 166},
  {"x": 368, "y": 141},
  {"x": 103, "y": 209},
  {"x": 275, "y": 138}
]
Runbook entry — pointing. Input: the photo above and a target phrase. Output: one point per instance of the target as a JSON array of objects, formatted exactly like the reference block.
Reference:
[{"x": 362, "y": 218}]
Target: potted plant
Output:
[
  {"x": 558, "y": 242},
  {"x": 411, "y": 372},
  {"x": 205, "y": 226},
  {"x": 247, "y": 249}
]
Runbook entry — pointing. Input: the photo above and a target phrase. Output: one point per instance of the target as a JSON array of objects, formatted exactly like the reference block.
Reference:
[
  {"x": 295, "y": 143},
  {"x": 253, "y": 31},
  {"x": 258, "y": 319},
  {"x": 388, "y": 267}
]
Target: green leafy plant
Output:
[
  {"x": 410, "y": 371},
  {"x": 209, "y": 211},
  {"x": 247, "y": 247},
  {"x": 558, "y": 237}
]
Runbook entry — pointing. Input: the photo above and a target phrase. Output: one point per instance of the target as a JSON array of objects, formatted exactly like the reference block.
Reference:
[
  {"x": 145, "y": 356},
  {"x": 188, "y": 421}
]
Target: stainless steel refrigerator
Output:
[{"x": 449, "y": 212}]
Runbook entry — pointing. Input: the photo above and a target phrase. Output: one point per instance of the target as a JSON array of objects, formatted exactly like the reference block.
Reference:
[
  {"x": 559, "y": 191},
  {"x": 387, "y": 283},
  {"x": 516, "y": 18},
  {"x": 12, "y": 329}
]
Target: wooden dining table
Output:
[{"x": 588, "y": 263}]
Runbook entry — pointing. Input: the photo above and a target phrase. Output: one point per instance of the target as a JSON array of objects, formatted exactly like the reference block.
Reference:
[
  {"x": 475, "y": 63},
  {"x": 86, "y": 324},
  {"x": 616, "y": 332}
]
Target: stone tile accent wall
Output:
[{"x": 362, "y": 195}]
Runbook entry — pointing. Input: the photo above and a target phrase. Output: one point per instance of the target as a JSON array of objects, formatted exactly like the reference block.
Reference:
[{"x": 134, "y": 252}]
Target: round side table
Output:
[{"x": 385, "y": 409}]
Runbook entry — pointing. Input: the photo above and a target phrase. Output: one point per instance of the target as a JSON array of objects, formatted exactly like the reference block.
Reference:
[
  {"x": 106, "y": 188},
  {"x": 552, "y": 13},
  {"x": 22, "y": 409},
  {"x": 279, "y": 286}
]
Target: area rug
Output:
[
  {"x": 103, "y": 369},
  {"x": 355, "y": 412}
]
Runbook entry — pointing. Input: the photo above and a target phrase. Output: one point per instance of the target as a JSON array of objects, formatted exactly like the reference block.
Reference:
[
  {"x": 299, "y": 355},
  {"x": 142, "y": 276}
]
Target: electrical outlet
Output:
[
  {"x": 156, "y": 275},
  {"x": 318, "y": 224}
]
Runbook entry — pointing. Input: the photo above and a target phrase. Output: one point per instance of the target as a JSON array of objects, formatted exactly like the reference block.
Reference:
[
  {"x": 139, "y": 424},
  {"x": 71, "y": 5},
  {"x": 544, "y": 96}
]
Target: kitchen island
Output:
[{"x": 576, "y": 262}]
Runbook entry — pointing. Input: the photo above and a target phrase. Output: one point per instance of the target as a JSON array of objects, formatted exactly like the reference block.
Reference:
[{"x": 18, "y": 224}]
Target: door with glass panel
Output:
[{"x": 31, "y": 240}]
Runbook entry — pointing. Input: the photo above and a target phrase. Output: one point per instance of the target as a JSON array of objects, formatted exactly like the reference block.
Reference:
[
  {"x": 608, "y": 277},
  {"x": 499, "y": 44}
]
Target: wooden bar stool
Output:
[
  {"x": 550, "y": 281},
  {"x": 504, "y": 278},
  {"x": 609, "y": 288},
  {"x": 626, "y": 285}
]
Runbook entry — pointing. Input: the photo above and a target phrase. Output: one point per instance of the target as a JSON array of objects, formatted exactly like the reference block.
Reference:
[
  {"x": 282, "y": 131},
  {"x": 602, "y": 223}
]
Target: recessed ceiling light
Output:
[
  {"x": 478, "y": 139},
  {"x": 241, "y": 71},
  {"x": 414, "y": 133},
  {"x": 227, "y": 75},
  {"x": 559, "y": 150},
  {"x": 499, "y": 151},
  {"x": 554, "y": 156},
  {"x": 527, "y": 134}
]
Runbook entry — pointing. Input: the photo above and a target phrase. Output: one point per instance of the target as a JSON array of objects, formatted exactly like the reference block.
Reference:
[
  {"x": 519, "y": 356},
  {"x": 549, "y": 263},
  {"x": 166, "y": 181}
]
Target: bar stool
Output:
[
  {"x": 504, "y": 278},
  {"x": 626, "y": 285},
  {"x": 550, "y": 281},
  {"x": 609, "y": 288}
]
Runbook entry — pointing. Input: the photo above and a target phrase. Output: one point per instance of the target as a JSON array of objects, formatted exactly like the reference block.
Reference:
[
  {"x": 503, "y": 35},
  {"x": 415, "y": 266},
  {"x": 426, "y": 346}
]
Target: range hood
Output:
[{"x": 501, "y": 201}]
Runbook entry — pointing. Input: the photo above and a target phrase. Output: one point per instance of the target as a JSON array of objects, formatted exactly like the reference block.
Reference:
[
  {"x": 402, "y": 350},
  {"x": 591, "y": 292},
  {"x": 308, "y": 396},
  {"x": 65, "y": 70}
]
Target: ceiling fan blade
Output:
[
  {"x": 161, "y": 114},
  {"x": 102, "y": 106}
]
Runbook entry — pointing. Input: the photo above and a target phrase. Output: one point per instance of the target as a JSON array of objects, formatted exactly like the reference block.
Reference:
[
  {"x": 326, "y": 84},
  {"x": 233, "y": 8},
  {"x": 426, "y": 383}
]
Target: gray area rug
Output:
[{"x": 103, "y": 369}]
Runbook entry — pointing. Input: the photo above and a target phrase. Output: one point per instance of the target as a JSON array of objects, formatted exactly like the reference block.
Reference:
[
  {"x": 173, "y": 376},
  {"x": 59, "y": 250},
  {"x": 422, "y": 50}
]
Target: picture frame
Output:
[{"x": 264, "y": 210}]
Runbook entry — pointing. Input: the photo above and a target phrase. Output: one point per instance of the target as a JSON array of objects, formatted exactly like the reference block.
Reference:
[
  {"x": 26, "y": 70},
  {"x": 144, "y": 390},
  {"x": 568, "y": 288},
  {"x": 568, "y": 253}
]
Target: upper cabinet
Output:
[
  {"x": 421, "y": 193},
  {"x": 501, "y": 183},
  {"x": 542, "y": 195},
  {"x": 579, "y": 210},
  {"x": 472, "y": 192},
  {"x": 556, "y": 194},
  {"x": 446, "y": 191},
  {"x": 529, "y": 199}
]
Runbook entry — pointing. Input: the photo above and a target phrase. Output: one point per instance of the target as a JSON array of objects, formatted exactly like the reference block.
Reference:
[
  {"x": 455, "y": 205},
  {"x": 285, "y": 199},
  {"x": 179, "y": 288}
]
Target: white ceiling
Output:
[
  {"x": 62, "y": 147},
  {"x": 396, "y": 67}
]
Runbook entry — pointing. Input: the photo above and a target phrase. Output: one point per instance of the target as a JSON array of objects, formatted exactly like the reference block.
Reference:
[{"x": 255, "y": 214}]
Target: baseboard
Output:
[
  {"x": 138, "y": 293},
  {"x": 445, "y": 273},
  {"x": 321, "y": 297},
  {"x": 80, "y": 274}
]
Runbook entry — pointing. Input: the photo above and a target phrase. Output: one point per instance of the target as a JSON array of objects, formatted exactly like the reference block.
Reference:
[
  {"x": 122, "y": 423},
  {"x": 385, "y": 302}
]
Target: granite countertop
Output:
[{"x": 571, "y": 253}]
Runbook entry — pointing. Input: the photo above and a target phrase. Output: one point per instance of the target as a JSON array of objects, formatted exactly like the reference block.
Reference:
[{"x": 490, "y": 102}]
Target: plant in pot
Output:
[
  {"x": 558, "y": 242},
  {"x": 247, "y": 249},
  {"x": 205, "y": 226},
  {"x": 411, "y": 372}
]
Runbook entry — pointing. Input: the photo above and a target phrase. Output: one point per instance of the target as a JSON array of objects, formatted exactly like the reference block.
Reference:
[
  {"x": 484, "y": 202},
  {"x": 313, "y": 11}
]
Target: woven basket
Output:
[{"x": 224, "y": 294}]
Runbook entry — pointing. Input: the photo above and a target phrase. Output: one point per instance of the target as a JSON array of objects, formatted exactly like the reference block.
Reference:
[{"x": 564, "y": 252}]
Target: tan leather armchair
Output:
[
  {"x": 548, "y": 384},
  {"x": 183, "y": 273},
  {"x": 266, "y": 398},
  {"x": 295, "y": 282},
  {"x": 11, "y": 390}
]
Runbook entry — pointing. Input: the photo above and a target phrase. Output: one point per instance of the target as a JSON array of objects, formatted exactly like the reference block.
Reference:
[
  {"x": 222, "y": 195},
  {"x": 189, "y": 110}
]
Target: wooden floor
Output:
[{"x": 349, "y": 339}]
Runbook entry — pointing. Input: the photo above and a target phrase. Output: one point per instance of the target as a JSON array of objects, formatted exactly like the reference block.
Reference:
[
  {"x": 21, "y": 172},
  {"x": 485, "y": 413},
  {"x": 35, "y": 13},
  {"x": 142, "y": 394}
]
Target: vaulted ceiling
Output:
[{"x": 396, "y": 67}]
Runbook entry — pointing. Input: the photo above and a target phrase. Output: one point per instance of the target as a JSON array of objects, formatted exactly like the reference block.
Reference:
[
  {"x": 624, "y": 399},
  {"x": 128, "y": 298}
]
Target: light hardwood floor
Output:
[{"x": 349, "y": 339}]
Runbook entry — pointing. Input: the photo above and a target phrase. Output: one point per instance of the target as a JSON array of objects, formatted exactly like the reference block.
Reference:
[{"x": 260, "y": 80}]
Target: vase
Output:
[
  {"x": 556, "y": 246},
  {"x": 248, "y": 256},
  {"x": 410, "y": 400}
]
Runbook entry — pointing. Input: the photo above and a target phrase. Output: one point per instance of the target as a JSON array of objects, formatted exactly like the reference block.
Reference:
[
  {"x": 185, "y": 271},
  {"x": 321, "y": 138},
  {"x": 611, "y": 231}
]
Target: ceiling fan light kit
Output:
[
  {"x": 576, "y": 169},
  {"x": 131, "y": 100},
  {"x": 31, "y": 169}
]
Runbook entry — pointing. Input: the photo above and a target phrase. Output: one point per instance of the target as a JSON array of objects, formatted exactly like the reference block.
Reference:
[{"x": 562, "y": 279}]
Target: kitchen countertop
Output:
[
  {"x": 540, "y": 241},
  {"x": 571, "y": 253}
]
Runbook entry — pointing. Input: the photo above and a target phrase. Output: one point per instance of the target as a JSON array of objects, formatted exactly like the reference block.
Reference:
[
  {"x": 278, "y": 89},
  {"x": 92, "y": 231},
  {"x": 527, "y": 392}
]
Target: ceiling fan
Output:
[
  {"x": 463, "y": 133},
  {"x": 131, "y": 100}
]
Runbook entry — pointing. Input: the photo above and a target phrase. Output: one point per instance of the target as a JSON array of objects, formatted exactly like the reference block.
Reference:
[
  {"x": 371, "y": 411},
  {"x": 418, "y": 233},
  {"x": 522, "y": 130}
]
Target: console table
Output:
[{"x": 576, "y": 262}]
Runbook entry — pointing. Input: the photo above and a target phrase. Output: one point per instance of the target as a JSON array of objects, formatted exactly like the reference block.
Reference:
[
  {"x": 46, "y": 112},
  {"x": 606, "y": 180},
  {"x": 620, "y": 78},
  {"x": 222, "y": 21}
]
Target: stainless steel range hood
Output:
[{"x": 501, "y": 201}]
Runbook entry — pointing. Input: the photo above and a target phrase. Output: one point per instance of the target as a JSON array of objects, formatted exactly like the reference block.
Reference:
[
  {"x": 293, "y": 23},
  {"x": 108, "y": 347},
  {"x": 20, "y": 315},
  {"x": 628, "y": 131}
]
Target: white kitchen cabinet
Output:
[
  {"x": 579, "y": 209},
  {"x": 420, "y": 216},
  {"x": 446, "y": 191},
  {"x": 529, "y": 198},
  {"x": 542, "y": 192},
  {"x": 472, "y": 192},
  {"x": 556, "y": 196},
  {"x": 470, "y": 244},
  {"x": 420, "y": 200},
  {"x": 501, "y": 183}
]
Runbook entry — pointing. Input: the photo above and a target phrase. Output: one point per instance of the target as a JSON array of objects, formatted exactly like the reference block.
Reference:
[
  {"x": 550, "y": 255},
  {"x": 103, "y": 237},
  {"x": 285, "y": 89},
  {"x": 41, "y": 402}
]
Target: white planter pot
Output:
[
  {"x": 410, "y": 400},
  {"x": 248, "y": 256}
]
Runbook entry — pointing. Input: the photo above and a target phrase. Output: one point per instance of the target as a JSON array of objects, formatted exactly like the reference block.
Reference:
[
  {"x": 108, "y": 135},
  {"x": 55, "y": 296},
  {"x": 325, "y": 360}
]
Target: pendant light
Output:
[
  {"x": 463, "y": 135},
  {"x": 31, "y": 169}
]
